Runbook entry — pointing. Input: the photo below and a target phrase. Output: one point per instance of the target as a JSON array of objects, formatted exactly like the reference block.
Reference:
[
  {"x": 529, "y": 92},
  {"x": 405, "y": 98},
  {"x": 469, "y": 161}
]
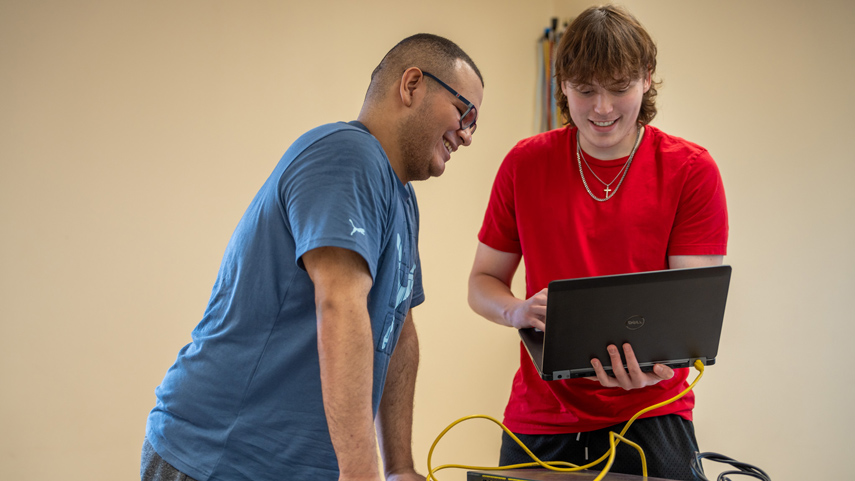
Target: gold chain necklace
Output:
[
  {"x": 591, "y": 170},
  {"x": 624, "y": 169}
]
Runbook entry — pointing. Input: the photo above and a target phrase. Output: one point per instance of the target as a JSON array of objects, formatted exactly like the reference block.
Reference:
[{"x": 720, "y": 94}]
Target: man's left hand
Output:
[{"x": 632, "y": 377}]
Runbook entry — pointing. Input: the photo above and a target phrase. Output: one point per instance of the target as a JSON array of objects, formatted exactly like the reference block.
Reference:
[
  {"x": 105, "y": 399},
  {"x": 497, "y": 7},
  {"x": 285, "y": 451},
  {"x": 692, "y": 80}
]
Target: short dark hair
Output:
[
  {"x": 608, "y": 45},
  {"x": 432, "y": 53}
]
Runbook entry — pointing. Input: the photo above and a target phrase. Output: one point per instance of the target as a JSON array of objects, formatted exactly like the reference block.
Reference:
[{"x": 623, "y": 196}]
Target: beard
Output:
[{"x": 417, "y": 145}]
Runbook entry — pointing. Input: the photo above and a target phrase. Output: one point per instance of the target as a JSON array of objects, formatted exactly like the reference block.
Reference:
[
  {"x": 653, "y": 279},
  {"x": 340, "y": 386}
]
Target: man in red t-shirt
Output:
[{"x": 608, "y": 194}]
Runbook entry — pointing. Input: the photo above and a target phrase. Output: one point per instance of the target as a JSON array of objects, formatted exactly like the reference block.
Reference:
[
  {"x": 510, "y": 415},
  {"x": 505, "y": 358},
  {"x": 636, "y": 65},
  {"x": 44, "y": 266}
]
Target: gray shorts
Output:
[{"x": 154, "y": 468}]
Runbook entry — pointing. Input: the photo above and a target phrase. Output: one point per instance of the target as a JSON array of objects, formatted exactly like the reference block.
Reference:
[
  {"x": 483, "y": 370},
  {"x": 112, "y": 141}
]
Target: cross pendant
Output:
[{"x": 607, "y": 189}]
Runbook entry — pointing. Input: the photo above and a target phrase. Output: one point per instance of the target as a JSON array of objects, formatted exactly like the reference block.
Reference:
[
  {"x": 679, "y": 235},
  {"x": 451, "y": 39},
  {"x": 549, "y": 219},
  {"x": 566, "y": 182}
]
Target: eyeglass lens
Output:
[{"x": 469, "y": 118}]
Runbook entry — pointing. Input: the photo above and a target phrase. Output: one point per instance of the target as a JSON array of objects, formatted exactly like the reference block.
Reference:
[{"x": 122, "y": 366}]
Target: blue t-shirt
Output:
[{"x": 243, "y": 400}]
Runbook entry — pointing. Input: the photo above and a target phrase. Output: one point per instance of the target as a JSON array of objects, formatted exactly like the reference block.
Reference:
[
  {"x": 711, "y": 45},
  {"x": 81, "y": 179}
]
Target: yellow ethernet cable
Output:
[{"x": 561, "y": 466}]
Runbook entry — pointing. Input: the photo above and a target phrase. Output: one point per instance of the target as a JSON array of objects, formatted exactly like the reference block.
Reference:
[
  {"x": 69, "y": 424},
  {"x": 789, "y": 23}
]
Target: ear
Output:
[
  {"x": 566, "y": 88},
  {"x": 647, "y": 81},
  {"x": 412, "y": 82}
]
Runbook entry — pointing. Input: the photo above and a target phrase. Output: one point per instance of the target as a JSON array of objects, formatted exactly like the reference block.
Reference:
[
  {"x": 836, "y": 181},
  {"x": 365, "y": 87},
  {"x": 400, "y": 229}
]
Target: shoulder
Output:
[
  {"x": 539, "y": 150},
  {"x": 546, "y": 141},
  {"x": 335, "y": 162},
  {"x": 670, "y": 146},
  {"x": 337, "y": 148},
  {"x": 689, "y": 164},
  {"x": 344, "y": 140}
]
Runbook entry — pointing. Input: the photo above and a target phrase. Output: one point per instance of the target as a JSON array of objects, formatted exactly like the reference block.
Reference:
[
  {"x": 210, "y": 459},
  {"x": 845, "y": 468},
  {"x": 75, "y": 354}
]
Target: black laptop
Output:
[{"x": 672, "y": 317}]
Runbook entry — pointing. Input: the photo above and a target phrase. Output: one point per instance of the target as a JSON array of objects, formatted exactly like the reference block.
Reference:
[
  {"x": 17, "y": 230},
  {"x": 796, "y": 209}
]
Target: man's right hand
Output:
[
  {"x": 490, "y": 292},
  {"x": 530, "y": 312}
]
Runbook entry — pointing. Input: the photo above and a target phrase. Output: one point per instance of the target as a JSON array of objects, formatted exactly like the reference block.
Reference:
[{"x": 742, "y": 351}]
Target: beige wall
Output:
[{"x": 133, "y": 135}]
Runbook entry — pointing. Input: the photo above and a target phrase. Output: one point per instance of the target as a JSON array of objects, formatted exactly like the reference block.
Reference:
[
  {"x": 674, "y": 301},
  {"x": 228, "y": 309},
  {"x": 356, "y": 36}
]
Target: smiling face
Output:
[
  {"x": 431, "y": 133},
  {"x": 606, "y": 66},
  {"x": 607, "y": 116}
]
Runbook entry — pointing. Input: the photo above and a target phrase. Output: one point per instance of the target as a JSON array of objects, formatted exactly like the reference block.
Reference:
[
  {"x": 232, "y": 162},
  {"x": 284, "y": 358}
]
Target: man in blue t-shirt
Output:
[{"x": 308, "y": 338}]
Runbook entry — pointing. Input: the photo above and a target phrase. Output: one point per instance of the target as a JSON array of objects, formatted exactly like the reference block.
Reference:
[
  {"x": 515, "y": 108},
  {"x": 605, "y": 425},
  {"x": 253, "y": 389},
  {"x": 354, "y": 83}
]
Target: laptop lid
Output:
[{"x": 670, "y": 317}]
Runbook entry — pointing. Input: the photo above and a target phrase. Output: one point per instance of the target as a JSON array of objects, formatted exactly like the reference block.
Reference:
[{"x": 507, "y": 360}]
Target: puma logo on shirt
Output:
[{"x": 356, "y": 229}]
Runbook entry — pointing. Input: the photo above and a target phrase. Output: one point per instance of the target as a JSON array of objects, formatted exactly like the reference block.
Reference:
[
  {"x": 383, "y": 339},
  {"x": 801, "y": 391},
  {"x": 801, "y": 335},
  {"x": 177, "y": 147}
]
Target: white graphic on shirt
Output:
[
  {"x": 356, "y": 229},
  {"x": 404, "y": 291},
  {"x": 388, "y": 334}
]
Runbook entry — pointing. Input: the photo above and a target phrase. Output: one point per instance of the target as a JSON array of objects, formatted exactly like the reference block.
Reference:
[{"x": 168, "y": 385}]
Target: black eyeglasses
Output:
[{"x": 468, "y": 118}]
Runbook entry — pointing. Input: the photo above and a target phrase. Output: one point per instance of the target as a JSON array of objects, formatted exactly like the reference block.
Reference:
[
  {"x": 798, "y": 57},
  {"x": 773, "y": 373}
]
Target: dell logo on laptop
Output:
[{"x": 634, "y": 322}]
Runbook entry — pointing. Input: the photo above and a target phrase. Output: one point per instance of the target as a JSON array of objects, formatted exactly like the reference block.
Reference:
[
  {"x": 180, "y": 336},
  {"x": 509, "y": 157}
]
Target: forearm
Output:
[
  {"x": 345, "y": 349},
  {"x": 395, "y": 417},
  {"x": 492, "y": 298},
  {"x": 684, "y": 262}
]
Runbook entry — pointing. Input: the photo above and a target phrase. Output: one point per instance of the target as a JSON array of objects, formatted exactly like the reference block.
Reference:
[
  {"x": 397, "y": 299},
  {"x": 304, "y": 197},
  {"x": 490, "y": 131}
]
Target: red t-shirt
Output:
[{"x": 671, "y": 202}]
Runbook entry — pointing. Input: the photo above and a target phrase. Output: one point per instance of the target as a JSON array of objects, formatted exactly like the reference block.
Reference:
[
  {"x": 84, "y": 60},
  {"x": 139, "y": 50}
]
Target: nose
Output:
[
  {"x": 465, "y": 135},
  {"x": 603, "y": 104}
]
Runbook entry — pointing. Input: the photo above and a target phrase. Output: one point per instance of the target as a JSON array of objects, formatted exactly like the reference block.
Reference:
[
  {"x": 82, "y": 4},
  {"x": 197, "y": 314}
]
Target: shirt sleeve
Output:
[
  {"x": 335, "y": 195},
  {"x": 701, "y": 223},
  {"x": 499, "y": 229}
]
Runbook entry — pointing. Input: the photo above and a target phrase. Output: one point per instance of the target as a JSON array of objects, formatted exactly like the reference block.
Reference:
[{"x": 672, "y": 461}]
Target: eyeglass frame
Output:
[{"x": 469, "y": 105}]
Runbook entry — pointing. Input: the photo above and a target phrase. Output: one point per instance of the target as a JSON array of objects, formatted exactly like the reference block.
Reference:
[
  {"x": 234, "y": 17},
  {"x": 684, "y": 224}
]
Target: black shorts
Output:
[
  {"x": 154, "y": 468},
  {"x": 668, "y": 442}
]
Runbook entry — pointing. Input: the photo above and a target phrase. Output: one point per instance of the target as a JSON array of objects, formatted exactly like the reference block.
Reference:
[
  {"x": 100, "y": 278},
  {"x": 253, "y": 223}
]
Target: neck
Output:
[
  {"x": 618, "y": 151},
  {"x": 385, "y": 134}
]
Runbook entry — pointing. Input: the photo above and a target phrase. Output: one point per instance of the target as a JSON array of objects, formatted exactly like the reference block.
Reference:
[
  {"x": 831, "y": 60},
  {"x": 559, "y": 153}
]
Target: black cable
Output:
[
  {"x": 723, "y": 475},
  {"x": 743, "y": 469}
]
